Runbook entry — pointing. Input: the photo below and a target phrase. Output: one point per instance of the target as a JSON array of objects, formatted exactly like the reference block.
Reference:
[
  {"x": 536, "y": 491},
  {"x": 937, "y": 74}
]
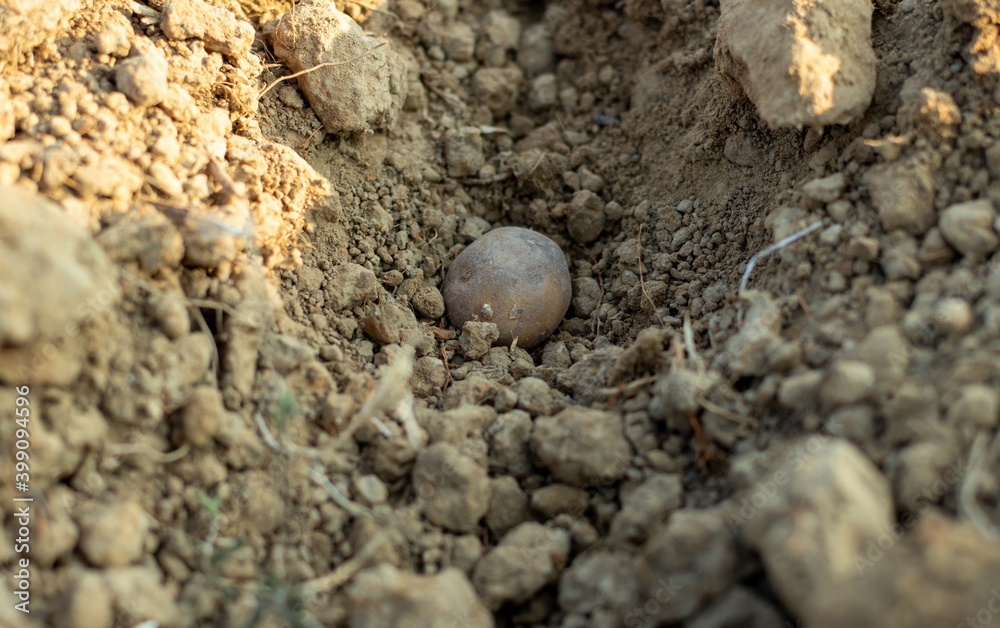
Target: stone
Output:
[
  {"x": 586, "y": 217},
  {"x": 646, "y": 508},
  {"x": 477, "y": 338},
  {"x": 509, "y": 441},
  {"x": 846, "y": 382},
  {"x": 687, "y": 563},
  {"x": 825, "y": 190},
  {"x": 802, "y": 64},
  {"x": 508, "y": 506},
  {"x": 217, "y": 27},
  {"x": 600, "y": 586},
  {"x": 203, "y": 417},
  {"x": 529, "y": 557},
  {"x": 903, "y": 195},
  {"x": 349, "y": 285},
  {"x": 143, "y": 75},
  {"x": 364, "y": 90},
  {"x": 827, "y": 502},
  {"x": 112, "y": 534},
  {"x": 582, "y": 446},
  {"x": 968, "y": 227},
  {"x": 453, "y": 489},
  {"x": 463, "y": 149}
]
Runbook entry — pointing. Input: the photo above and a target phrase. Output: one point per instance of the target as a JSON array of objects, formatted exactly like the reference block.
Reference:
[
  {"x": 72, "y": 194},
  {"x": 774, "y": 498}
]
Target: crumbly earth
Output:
[{"x": 247, "y": 407}]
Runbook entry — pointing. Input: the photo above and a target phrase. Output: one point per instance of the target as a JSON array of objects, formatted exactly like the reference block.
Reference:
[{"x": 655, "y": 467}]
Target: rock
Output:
[
  {"x": 501, "y": 33},
  {"x": 454, "y": 490},
  {"x": 529, "y": 557},
  {"x": 535, "y": 53},
  {"x": 582, "y": 446},
  {"x": 825, "y": 190},
  {"x": 801, "y": 64},
  {"x": 89, "y": 603},
  {"x": 536, "y": 398},
  {"x": 497, "y": 88},
  {"x": 846, "y": 382},
  {"x": 688, "y": 562},
  {"x": 203, "y": 417},
  {"x": 557, "y": 499},
  {"x": 386, "y": 596},
  {"x": 348, "y": 286},
  {"x": 152, "y": 240},
  {"x": 646, "y": 508},
  {"x": 217, "y": 27},
  {"x": 115, "y": 39},
  {"x": 599, "y": 586},
  {"x": 924, "y": 473},
  {"x": 112, "y": 534},
  {"x": 428, "y": 301},
  {"x": 62, "y": 281},
  {"x": 968, "y": 227},
  {"x": 544, "y": 92},
  {"x": 463, "y": 149},
  {"x": 477, "y": 338},
  {"x": 888, "y": 353},
  {"x": 934, "y": 592},
  {"x": 143, "y": 75},
  {"x": 370, "y": 489},
  {"x": 586, "y": 217},
  {"x": 387, "y": 323},
  {"x": 141, "y": 592},
  {"x": 508, "y": 506},
  {"x": 820, "y": 505},
  {"x": 586, "y": 295},
  {"x": 903, "y": 195},
  {"x": 509, "y": 439},
  {"x": 458, "y": 41},
  {"x": 977, "y": 408},
  {"x": 364, "y": 92}
]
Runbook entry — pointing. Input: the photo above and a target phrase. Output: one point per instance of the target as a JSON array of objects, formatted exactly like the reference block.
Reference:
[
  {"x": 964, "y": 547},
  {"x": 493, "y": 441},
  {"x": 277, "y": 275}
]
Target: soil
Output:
[{"x": 222, "y": 306}]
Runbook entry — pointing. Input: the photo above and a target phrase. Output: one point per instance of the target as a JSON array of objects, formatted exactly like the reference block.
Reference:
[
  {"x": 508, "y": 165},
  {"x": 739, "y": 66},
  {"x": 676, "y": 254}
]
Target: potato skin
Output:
[{"x": 514, "y": 277}]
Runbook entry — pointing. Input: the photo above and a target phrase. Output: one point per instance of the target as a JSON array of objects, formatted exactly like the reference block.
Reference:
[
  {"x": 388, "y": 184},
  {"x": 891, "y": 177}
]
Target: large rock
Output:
[
  {"x": 802, "y": 63},
  {"x": 53, "y": 278},
  {"x": 367, "y": 87},
  {"x": 812, "y": 516}
]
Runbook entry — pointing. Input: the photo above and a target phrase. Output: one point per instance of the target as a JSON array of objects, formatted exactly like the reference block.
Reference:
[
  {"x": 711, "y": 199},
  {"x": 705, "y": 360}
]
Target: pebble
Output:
[
  {"x": 143, "y": 75},
  {"x": 968, "y": 227},
  {"x": 112, "y": 534},
  {"x": 509, "y": 440},
  {"x": 349, "y": 285},
  {"x": 529, "y": 557},
  {"x": 646, "y": 508},
  {"x": 203, "y": 417},
  {"x": 463, "y": 150},
  {"x": 89, "y": 602},
  {"x": 544, "y": 92},
  {"x": 825, "y": 190},
  {"x": 143, "y": 592},
  {"x": 598, "y": 588},
  {"x": 586, "y": 219},
  {"x": 811, "y": 516},
  {"x": 458, "y": 41},
  {"x": 535, "y": 53},
  {"x": 536, "y": 398},
  {"x": 903, "y": 195},
  {"x": 846, "y": 382},
  {"x": 387, "y": 596},
  {"x": 508, "y": 506},
  {"x": 370, "y": 489},
  {"x": 477, "y": 338},
  {"x": 582, "y": 446},
  {"x": 556, "y": 499},
  {"x": 453, "y": 489},
  {"x": 429, "y": 302},
  {"x": 687, "y": 563},
  {"x": 115, "y": 39},
  {"x": 218, "y": 28}
]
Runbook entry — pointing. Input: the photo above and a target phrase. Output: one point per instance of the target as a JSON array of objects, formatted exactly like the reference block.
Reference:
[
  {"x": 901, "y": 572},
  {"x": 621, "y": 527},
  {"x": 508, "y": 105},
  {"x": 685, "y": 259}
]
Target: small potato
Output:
[{"x": 513, "y": 277}]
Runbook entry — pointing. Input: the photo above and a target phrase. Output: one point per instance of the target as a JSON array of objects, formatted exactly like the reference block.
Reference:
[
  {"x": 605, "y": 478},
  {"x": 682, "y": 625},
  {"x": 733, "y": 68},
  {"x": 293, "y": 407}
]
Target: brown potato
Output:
[{"x": 514, "y": 277}]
